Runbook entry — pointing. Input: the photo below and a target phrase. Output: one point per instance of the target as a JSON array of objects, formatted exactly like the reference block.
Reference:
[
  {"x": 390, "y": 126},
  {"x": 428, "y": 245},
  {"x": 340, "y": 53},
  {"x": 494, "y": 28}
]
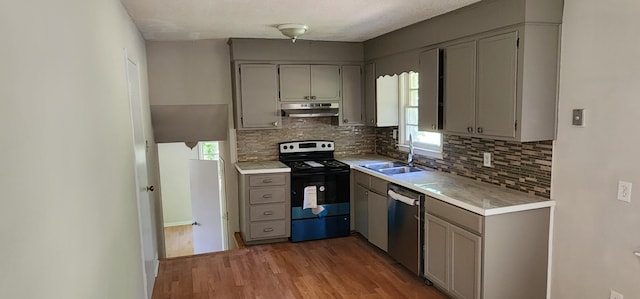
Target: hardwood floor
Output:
[
  {"x": 346, "y": 267},
  {"x": 178, "y": 240}
]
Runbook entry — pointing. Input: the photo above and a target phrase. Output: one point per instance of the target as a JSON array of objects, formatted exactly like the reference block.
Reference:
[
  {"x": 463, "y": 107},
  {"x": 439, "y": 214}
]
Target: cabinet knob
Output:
[
  {"x": 267, "y": 213},
  {"x": 345, "y": 121},
  {"x": 150, "y": 188},
  {"x": 470, "y": 129},
  {"x": 313, "y": 97},
  {"x": 480, "y": 130},
  {"x": 275, "y": 123},
  {"x": 433, "y": 126},
  {"x": 307, "y": 97},
  {"x": 268, "y": 229},
  {"x": 267, "y": 181},
  {"x": 371, "y": 121},
  {"x": 267, "y": 196}
]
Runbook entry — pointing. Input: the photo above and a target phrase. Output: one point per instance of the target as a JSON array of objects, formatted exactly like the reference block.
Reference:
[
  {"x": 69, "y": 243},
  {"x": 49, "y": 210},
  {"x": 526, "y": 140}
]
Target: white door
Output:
[
  {"x": 206, "y": 207},
  {"x": 143, "y": 198}
]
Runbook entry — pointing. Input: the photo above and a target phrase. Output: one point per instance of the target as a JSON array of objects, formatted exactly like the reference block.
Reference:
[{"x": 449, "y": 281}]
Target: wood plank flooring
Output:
[
  {"x": 346, "y": 267},
  {"x": 178, "y": 240}
]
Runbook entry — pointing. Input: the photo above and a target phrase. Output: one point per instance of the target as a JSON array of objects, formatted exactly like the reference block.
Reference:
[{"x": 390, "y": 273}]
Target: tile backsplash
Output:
[
  {"x": 524, "y": 167},
  {"x": 520, "y": 166},
  {"x": 262, "y": 145}
]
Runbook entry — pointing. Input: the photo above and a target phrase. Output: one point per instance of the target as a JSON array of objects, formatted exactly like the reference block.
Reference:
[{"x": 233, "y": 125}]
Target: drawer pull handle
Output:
[
  {"x": 267, "y": 213},
  {"x": 267, "y": 181},
  {"x": 267, "y": 196},
  {"x": 267, "y": 230}
]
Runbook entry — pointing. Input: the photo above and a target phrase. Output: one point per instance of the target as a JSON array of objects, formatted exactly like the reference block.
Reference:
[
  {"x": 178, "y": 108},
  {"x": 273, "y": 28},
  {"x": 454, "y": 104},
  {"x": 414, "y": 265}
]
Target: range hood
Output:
[{"x": 310, "y": 109}]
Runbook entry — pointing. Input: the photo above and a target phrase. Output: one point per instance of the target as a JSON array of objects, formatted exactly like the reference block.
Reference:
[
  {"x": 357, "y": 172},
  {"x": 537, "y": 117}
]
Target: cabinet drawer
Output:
[
  {"x": 268, "y": 229},
  {"x": 362, "y": 178},
  {"x": 267, "y": 212},
  {"x": 266, "y": 195},
  {"x": 453, "y": 214},
  {"x": 379, "y": 185},
  {"x": 267, "y": 180}
]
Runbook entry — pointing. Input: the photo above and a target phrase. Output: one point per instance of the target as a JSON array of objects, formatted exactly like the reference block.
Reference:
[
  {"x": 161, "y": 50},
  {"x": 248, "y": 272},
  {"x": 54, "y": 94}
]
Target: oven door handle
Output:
[{"x": 299, "y": 174}]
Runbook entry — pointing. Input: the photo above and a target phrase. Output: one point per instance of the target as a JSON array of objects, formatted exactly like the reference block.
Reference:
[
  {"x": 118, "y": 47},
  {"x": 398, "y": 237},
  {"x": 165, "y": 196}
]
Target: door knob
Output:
[{"x": 150, "y": 188}]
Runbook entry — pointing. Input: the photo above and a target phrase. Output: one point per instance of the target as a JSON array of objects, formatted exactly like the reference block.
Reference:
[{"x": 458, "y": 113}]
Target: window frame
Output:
[{"x": 421, "y": 148}]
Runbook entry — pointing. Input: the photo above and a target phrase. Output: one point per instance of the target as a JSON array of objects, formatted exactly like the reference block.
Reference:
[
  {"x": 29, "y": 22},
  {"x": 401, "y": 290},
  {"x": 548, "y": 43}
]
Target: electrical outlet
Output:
[
  {"x": 487, "y": 160},
  {"x": 624, "y": 191},
  {"x": 615, "y": 295}
]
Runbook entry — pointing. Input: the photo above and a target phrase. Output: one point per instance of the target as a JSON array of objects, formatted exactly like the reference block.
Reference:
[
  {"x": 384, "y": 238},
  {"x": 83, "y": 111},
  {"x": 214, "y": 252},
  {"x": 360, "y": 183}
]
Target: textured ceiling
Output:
[{"x": 336, "y": 20}]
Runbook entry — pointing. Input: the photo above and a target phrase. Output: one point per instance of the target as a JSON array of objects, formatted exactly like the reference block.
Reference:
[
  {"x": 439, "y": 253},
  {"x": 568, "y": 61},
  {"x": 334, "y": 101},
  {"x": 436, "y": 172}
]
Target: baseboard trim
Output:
[{"x": 178, "y": 223}]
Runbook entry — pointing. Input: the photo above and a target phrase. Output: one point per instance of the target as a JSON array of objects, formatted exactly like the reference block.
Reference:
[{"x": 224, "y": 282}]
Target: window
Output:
[
  {"x": 424, "y": 143},
  {"x": 208, "y": 150}
]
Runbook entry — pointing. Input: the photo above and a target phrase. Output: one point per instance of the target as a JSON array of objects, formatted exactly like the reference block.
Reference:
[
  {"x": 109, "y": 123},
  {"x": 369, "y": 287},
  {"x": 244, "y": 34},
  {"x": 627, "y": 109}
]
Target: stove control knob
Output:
[
  {"x": 324, "y": 145},
  {"x": 329, "y": 145},
  {"x": 285, "y": 147}
]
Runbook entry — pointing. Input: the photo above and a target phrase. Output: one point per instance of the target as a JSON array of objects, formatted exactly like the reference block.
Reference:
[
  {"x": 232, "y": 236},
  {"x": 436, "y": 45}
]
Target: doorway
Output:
[{"x": 193, "y": 202}]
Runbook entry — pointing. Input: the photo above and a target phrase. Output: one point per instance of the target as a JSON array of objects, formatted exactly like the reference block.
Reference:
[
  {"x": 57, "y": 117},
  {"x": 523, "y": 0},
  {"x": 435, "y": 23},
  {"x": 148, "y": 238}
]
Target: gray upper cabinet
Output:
[
  {"x": 496, "y": 102},
  {"x": 257, "y": 96},
  {"x": 300, "y": 83},
  {"x": 502, "y": 85},
  {"x": 370, "y": 94},
  {"x": 352, "y": 101},
  {"x": 428, "y": 108},
  {"x": 460, "y": 88}
]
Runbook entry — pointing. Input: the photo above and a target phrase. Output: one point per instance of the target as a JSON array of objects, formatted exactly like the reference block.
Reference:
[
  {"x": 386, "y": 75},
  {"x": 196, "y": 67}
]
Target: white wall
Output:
[
  {"x": 596, "y": 234},
  {"x": 69, "y": 221},
  {"x": 198, "y": 72},
  {"x": 174, "y": 177}
]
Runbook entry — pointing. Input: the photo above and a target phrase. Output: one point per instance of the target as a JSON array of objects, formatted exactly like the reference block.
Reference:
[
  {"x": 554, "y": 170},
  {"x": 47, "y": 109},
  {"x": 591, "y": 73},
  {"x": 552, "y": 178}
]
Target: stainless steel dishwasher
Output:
[{"x": 405, "y": 235}]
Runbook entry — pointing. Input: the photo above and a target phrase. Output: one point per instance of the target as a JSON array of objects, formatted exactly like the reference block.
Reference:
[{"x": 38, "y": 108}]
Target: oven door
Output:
[{"x": 331, "y": 187}]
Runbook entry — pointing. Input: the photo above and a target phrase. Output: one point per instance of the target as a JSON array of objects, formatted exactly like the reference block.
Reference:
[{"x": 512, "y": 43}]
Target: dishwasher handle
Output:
[{"x": 404, "y": 199}]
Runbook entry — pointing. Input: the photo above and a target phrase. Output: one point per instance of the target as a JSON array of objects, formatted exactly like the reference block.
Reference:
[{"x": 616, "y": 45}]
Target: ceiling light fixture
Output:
[{"x": 293, "y": 31}]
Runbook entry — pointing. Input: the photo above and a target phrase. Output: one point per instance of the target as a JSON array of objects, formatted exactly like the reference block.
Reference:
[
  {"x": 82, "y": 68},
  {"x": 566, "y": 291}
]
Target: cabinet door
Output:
[
  {"x": 466, "y": 253},
  {"x": 378, "y": 226},
  {"x": 362, "y": 210},
  {"x": 428, "y": 108},
  {"x": 436, "y": 251},
  {"x": 460, "y": 87},
  {"x": 370, "y": 94},
  {"x": 259, "y": 96},
  {"x": 497, "y": 67},
  {"x": 325, "y": 83},
  {"x": 295, "y": 82},
  {"x": 351, "y": 95}
]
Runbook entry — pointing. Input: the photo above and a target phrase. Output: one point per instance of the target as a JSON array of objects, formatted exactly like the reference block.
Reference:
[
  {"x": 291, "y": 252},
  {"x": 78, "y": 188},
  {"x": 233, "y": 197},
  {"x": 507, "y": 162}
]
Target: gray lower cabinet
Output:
[
  {"x": 371, "y": 209},
  {"x": 361, "y": 202},
  {"x": 467, "y": 255},
  {"x": 265, "y": 207},
  {"x": 378, "y": 216},
  {"x": 256, "y": 96}
]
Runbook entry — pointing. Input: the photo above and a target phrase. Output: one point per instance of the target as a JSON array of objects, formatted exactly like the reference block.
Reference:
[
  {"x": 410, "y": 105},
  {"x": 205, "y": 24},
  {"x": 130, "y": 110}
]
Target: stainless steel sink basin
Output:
[
  {"x": 382, "y": 165},
  {"x": 398, "y": 170},
  {"x": 391, "y": 168}
]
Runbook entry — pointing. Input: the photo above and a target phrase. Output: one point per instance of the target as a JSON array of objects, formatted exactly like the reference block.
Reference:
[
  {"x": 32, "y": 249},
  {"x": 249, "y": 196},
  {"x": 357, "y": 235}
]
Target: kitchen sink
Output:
[
  {"x": 383, "y": 165},
  {"x": 391, "y": 168}
]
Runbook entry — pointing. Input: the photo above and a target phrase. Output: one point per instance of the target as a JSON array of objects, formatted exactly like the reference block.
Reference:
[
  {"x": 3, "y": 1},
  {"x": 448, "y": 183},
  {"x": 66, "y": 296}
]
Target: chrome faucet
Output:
[{"x": 410, "y": 155}]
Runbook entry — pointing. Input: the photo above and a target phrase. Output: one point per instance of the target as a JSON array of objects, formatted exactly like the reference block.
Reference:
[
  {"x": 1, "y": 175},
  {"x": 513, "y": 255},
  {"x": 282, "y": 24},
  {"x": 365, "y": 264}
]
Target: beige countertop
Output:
[
  {"x": 261, "y": 167},
  {"x": 478, "y": 197}
]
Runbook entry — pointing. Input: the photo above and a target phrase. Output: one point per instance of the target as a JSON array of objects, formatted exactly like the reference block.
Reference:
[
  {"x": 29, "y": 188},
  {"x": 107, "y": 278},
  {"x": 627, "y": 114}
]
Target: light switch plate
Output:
[
  {"x": 486, "y": 161},
  {"x": 577, "y": 118},
  {"x": 624, "y": 191}
]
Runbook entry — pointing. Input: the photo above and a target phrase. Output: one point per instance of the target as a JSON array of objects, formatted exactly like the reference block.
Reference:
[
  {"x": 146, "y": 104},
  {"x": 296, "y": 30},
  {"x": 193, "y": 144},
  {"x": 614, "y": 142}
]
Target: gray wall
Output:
[
  {"x": 198, "y": 72},
  {"x": 595, "y": 234},
  {"x": 69, "y": 220}
]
